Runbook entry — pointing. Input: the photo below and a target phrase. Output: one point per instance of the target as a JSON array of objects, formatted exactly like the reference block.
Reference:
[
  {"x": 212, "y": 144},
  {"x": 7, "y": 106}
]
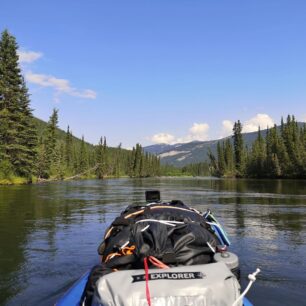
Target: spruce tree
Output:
[
  {"x": 229, "y": 158},
  {"x": 83, "y": 165},
  {"x": 100, "y": 170},
  {"x": 18, "y": 141},
  {"x": 51, "y": 139},
  {"x": 239, "y": 151},
  {"x": 106, "y": 157},
  {"x": 68, "y": 148},
  {"x": 221, "y": 159},
  {"x": 257, "y": 163},
  {"x": 28, "y": 134}
]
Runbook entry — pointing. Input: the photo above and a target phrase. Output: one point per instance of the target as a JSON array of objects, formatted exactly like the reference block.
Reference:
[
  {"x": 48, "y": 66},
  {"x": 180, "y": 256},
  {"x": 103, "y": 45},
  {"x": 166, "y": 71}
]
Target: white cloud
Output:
[
  {"x": 260, "y": 120},
  {"x": 163, "y": 138},
  {"x": 303, "y": 119},
  {"x": 29, "y": 56},
  {"x": 198, "y": 131},
  {"x": 227, "y": 128},
  {"x": 251, "y": 125},
  {"x": 60, "y": 85}
]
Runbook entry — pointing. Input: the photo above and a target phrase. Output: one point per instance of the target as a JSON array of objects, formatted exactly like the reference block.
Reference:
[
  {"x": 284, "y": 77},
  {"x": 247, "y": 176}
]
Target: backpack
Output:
[
  {"x": 171, "y": 232},
  {"x": 168, "y": 234}
]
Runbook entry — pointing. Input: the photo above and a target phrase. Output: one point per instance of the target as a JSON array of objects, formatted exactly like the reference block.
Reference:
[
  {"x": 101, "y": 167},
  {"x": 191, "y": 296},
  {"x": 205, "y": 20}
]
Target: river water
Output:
[{"x": 49, "y": 233}]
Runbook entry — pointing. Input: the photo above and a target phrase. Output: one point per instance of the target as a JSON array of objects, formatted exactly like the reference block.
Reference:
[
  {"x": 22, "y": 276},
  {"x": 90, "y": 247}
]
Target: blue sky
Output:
[{"x": 163, "y": 70}]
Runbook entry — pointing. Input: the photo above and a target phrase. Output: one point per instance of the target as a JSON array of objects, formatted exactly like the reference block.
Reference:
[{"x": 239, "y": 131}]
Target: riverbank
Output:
[
  {"x": 24, "y": 181},
  {"x": 14, "y": 181}
]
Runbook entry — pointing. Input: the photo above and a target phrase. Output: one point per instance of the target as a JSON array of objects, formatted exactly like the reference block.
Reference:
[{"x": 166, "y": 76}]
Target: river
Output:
[{"x": 49, "y": 233}]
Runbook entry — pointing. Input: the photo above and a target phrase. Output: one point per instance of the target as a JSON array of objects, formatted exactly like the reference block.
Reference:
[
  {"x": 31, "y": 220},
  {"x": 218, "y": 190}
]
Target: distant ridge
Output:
[{"x": 196, "y": 151}]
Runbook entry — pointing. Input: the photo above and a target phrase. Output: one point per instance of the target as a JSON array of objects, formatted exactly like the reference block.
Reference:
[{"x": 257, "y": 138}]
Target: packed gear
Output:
[
  {"x": 171, "y": 232},
  {"x": 156, "y": 235}
]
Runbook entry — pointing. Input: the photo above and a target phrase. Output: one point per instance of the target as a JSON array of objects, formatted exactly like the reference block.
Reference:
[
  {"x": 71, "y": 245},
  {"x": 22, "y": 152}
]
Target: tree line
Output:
[
  {"x": 67, "y": 156},
  {"x": 29, "y": 149},
  {"x": 192, "y": 169},
  {"x": 280, "y": 154}
]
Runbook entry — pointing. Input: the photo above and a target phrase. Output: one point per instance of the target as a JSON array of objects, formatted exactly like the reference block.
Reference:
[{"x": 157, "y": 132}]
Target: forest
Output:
[
  {"x": 31, "y": 150},
  {"x": 280, "y": 154}
]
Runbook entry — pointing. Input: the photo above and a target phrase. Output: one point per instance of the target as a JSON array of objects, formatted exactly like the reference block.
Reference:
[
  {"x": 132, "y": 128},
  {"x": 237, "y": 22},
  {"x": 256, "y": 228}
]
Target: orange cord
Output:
[
  {"x": 124, "y": 251},
  {"x": 157, "y": 263}
]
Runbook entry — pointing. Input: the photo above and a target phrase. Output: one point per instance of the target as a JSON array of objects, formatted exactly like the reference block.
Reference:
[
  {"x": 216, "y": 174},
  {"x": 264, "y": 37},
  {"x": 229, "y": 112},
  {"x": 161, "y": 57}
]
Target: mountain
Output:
[
  {"x": 158, "y": 148},
  {"x": 182, "y": 154}
]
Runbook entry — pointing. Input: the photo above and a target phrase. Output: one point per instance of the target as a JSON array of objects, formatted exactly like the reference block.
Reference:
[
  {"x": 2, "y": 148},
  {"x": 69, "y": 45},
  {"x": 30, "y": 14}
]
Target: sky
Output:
[{"x": 164, "y": 70}]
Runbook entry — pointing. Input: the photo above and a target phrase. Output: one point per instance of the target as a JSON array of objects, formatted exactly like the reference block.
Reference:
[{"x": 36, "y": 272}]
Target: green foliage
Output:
[
  {"x": 100, "y": 157},
  {"x": 196, "y": 169},
  {"x": 239, "y": 150},
  {"x": 18, "y": 141},
  {"x": 281, "y": 154},
  {"x": 6, "y": 169},
  {"x": 143, "y": 164}
]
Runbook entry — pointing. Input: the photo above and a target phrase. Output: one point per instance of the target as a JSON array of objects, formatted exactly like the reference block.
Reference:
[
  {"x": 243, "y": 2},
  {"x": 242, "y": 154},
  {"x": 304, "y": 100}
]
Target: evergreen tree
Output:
[
  {"x": 42, "y": 168},
  {"x": 100, "y": 159},
  {"x": 229, "y": 158},
  {"x": 28, "y": 135},
  {"x": 68, "y": 148},
  {"x": 213, "y": 164},
  {"x": 239, "y": 151},
  {"x": 51, "y": 139},
  {"x": 221, "y": 159},
  {"x": 60, "y": 163},
  {"x": 117, "y": 162},
  {"x": 106, "y": 157},
  {"x": 18, "y": 140},
  {"x": 83, "y": 162},
  {"x": 104, "y": 164},
  {"x": 257, "y": 160},
  {"x": 137, "y": 160},
  {"x": 10, "y": 84}
]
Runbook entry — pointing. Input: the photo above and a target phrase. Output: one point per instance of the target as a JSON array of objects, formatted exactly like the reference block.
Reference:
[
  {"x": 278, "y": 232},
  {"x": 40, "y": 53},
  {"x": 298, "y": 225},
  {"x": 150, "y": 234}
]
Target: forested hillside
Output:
[{"x": 31, "y": 149}]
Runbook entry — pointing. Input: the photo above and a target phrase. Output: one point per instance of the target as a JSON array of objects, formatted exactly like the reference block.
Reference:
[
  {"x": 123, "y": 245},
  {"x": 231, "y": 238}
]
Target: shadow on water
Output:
[{"x": 49, "y": 233}]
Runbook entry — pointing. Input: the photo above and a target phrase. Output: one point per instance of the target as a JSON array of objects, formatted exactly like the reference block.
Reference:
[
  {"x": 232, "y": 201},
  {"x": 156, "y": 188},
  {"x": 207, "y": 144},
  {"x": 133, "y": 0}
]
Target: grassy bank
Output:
[{"x": 14, "y": 180}]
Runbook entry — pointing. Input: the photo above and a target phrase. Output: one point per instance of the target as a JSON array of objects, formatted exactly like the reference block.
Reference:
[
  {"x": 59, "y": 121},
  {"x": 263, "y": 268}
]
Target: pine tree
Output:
[
  {"x": 106, "y": 157},
  {"x": 42, "y": 168},
  {"x": 117, "y": 161},
  {"x": 229, "y": 158},
  {"x": 17, "y": 133},
  {"x": 239, "y": 151},
  {"x": 83, "y": 165},
  {"x": 68, "y": 148},
  {"x": 213, "y": 164},
  {"x": 28, "y": 134},
  {"x": 100, "y": 170},
  {"x": 51, "y": 139},
  {"x": 221, "y": 159},
  {"x": 60, "y": 163},
  {"x": 257, "y": 163},
  {"x": 137, "y": 160},
  {"x": 102, "y": 160}
]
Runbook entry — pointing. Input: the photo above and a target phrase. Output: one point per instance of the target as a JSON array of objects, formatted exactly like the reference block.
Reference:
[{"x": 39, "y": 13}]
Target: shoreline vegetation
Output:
[{"x": 281, "y": 154}]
